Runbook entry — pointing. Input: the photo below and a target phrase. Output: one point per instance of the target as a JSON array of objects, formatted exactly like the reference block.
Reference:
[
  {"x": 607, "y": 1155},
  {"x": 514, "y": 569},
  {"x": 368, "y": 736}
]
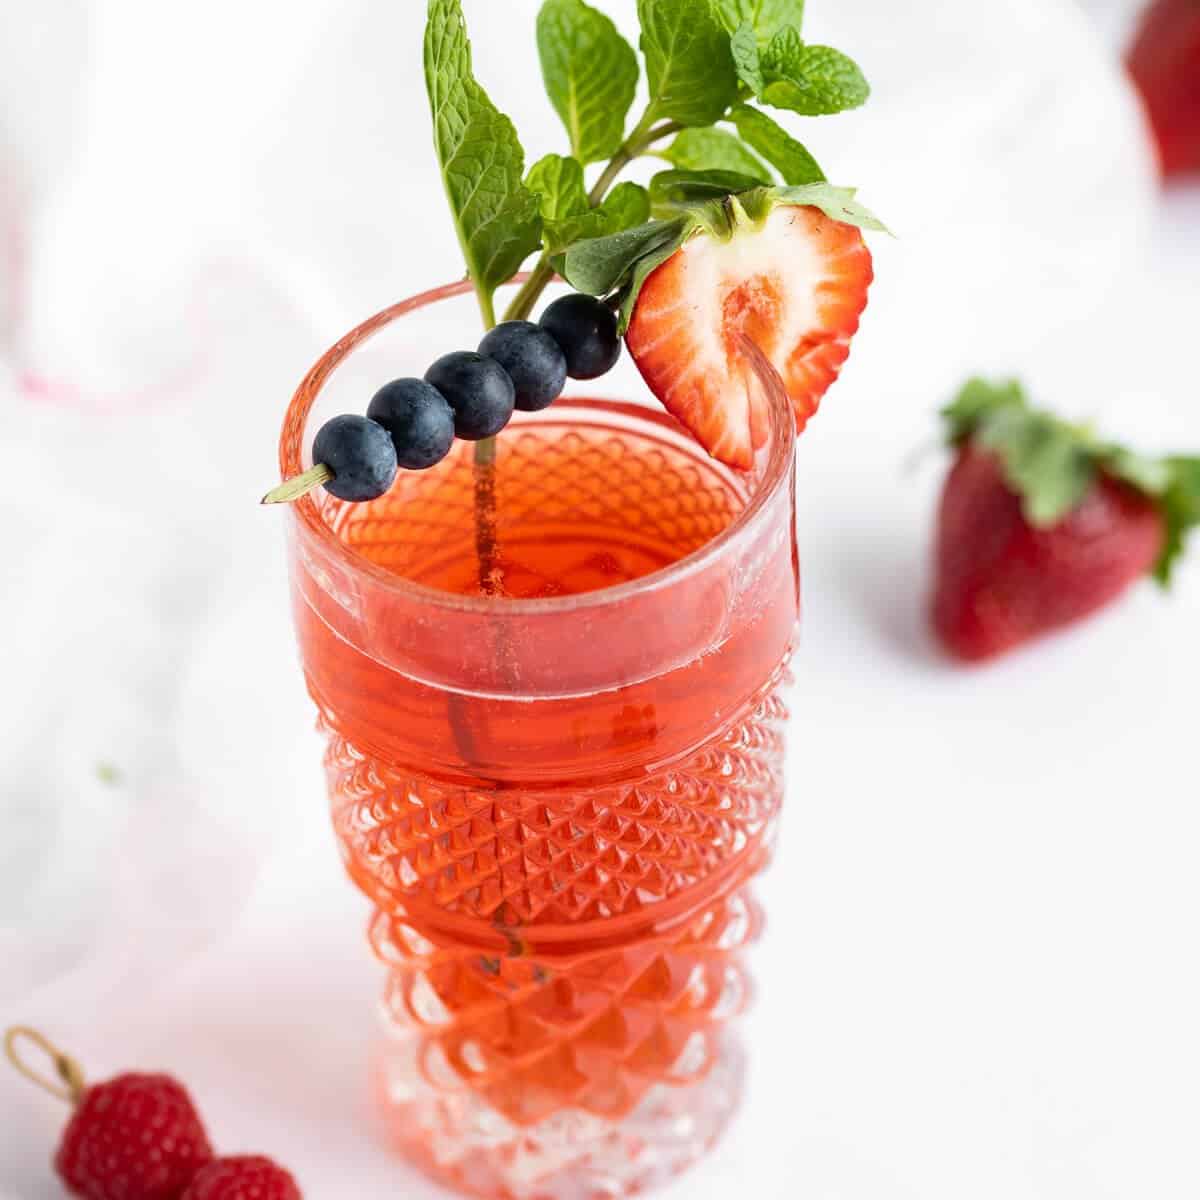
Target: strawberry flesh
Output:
[
  {"x": 1164, "y": 61},
  {"x": 796, "y": 287},
  {"x": 1001, "y": 581}
]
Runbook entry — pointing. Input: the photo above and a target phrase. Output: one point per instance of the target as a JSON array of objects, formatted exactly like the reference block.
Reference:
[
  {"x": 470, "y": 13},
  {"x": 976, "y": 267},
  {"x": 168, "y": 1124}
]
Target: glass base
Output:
[{"x": 458, "y": 1140}]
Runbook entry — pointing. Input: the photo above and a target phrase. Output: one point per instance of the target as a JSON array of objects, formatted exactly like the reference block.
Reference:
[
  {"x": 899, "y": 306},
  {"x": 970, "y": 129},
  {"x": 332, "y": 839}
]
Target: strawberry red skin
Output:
[
  {"x": 1164, "y": 61},
  {"x": 136, "y": 1137},
  {"x": 1001, "y": 581},
  {"x": 244, "y": 1177}
]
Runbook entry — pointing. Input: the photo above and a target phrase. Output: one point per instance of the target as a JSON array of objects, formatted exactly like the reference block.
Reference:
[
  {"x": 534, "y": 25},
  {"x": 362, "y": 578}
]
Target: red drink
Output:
[{"x": 555, "y": 796}]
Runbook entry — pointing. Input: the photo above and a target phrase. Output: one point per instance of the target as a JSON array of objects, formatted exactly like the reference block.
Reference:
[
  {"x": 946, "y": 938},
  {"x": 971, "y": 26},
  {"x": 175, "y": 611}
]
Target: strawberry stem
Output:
[{"x": 70, "y": 1084}]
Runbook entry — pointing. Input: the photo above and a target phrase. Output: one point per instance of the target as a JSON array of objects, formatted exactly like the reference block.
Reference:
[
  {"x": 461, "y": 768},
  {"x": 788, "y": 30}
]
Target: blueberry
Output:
[
  {"x": 360, "y": 454},
  {"x": 478, "y": 389},
  {"x": 586, "y": 329},
  {"x": 420, "y": 421},
  {"x": 533, "y": 359}
]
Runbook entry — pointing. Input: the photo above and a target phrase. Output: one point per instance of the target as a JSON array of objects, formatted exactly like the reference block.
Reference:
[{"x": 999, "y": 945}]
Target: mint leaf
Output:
[
  {"x": 598, "y": 265},
  {"x": 671, "y": 191},
  {"x": 765, "y": 17},
  {"x": 558, "y": 182},
  {"x": 566, "y": 213},
  {"x": 812, "y": 80},
  {"x": 1181, "y": 509},
  {"x": 777, "y": 146},
  {"x": 714, "y": 150},
  {"x": 836, "y": 202},
  {"x": 591, "y": 74},
  {"x": 496, "y": 217},
  {"x": 744, "y": 46},
  {"x": 627, "y": 205},
  {"x": 688, "y": 61}
]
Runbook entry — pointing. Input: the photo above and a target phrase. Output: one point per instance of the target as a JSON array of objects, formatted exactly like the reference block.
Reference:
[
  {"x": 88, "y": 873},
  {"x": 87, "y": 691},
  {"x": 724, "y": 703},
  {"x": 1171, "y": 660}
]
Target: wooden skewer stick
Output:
[{"x": 300, "y": 485}]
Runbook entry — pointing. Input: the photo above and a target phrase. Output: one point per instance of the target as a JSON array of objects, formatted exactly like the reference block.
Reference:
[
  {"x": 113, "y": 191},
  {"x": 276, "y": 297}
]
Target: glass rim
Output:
[{"x": 305, "y": 512}]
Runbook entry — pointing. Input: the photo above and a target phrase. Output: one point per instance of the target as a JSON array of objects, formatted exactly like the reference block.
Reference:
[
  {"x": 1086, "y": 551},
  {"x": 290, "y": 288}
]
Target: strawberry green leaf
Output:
[
  {"x": 813, "y": 80},
  {"x": 836, "y": 202},
  {"x": 1149, "y": 475},
  {"x": 788, "y": 156},
  {"x": 644, "y": 268},
  {"x": 599, "y": 265},
  {"x": 747, "y": 59},
  {"x": 674, "y": 191},
  {"x": 1181, "y": 510},
  {"x": 765, "y": 17},
  {"x": 1043, "y": 460},
  {"x": 976, "y": 401},
  {"x": 715, "y": 150},
  {"x": 688, "y": 61},
  {"x": 591, "y": 74},
  {"x": 496, "y": 217}
]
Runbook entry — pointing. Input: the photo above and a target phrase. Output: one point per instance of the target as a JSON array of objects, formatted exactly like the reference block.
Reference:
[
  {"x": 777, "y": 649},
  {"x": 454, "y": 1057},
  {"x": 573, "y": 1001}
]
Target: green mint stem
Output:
[
  {"x": 487, "y": 307},
  {"x": 527, "y": 297}
]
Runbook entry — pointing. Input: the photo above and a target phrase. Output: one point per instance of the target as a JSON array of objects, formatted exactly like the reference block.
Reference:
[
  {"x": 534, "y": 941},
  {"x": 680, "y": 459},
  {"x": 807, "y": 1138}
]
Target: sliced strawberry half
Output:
[{"x": 796, "y": 286}]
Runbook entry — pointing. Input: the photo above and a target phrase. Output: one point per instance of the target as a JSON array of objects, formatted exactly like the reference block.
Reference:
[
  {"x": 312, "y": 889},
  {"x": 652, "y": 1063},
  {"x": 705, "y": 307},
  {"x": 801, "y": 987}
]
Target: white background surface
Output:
[{"x": 980, "y": 978}]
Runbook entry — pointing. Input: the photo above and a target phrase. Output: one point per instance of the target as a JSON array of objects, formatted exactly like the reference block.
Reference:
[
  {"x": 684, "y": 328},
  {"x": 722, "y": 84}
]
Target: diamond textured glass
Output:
[{"x": 555, "y": 755}]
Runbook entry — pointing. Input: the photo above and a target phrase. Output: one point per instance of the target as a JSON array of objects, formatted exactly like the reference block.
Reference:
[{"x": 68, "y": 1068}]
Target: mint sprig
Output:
[
  {"x": 707, "y": 63},
  {"x": 1053, "y": 464},
  {"x": 496, "y": 217}
]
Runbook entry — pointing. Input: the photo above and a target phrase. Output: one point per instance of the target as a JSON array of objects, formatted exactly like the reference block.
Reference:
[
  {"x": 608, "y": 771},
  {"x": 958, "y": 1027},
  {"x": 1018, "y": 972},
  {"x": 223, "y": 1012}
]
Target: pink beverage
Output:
[{"x": 556, "y": 796}]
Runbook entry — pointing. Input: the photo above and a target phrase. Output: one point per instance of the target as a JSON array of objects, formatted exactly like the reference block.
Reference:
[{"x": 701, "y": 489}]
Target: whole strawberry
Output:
[
  {"x": 1041, "y": 524},
  {"x": 248, "y": 1177},
  {"x": 1164, "y": 61},
  {"x": 136, "y": 1137}
]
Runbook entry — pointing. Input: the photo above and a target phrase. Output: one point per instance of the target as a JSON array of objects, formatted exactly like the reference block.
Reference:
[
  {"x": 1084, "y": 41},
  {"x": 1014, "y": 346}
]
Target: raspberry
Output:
[
  {"x": 248, "y": 1177},
  {"x": 136, "y": 1137}
]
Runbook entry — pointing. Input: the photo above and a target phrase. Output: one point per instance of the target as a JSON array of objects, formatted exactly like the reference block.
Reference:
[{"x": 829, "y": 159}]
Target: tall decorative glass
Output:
[{"x": 555, "y": 786}]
